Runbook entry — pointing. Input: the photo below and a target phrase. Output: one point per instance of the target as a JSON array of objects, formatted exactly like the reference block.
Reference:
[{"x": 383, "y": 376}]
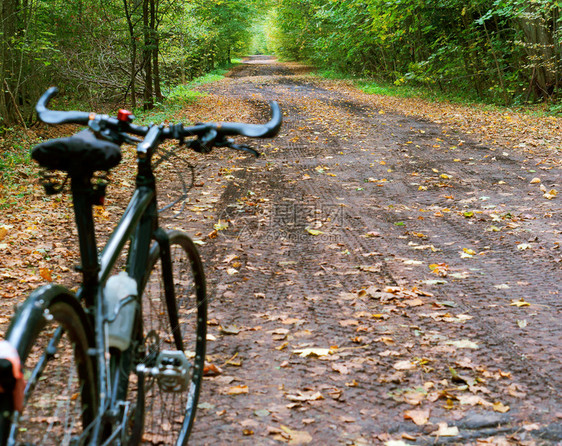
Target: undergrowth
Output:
[
  {"x": 408, "y": 91},
  {"x": 16, "y": 165},
  {"x": 177, "y": 98}
]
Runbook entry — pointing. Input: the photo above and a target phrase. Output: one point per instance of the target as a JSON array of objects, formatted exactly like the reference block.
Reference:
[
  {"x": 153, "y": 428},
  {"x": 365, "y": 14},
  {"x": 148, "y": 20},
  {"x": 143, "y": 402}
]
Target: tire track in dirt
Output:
[{"x": 294, "y": 289}]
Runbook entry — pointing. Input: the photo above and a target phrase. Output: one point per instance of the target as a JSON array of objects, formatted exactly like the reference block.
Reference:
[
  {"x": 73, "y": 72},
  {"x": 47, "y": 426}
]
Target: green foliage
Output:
[
  {"x": 15, "y": 162},
  {"x": 503, "y": 51},
  {"x": 96, "y": 52}
]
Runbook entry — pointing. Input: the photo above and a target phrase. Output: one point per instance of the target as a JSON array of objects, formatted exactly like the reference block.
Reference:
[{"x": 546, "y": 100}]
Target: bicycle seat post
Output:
[{"x": 83, "y": 194}]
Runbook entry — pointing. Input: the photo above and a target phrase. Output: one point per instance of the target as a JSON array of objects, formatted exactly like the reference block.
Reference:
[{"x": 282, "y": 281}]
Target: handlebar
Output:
[{"x": 178, "y": 131}]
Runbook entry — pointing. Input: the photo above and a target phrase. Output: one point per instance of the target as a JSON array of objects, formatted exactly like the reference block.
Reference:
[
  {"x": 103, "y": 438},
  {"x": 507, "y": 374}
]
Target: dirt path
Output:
[
  {"x": 374, "y": 277},
  {"x": 381, "y": 278}
]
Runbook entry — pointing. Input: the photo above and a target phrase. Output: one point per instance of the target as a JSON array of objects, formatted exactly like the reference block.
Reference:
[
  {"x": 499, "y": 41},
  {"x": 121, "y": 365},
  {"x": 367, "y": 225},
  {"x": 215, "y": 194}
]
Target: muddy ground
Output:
[{"x": 376, "y": 277}]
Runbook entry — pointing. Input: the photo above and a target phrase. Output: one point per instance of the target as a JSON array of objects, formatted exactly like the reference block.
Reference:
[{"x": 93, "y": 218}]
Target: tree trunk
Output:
[
  {"x": 155, "y": 41},
  {"x": 8, "y": 58},
  {"x": 539, "y": 44},
  {"x": 133, "y": 56},
  {"x": 147, "y": 56}
]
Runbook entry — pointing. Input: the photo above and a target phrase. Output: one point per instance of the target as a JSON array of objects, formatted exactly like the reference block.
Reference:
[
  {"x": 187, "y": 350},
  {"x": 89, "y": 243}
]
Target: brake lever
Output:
[
  {"x": 245, "y": 148},
  {"x": 242, "y": 147}
]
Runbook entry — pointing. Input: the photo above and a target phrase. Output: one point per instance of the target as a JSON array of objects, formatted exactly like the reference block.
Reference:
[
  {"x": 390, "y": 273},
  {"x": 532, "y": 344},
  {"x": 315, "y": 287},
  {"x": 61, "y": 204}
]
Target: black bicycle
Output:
[{"x": 121, "y": 361}]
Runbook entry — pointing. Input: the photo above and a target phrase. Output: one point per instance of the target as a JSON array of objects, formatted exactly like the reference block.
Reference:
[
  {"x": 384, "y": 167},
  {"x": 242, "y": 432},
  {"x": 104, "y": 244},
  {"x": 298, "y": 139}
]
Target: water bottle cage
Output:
[{"x": 111, "y": 317}]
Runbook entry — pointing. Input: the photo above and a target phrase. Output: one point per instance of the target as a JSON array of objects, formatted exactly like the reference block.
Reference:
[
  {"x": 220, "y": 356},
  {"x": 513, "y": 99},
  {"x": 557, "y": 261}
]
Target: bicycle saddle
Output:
[{"x": 78, "y": 153}]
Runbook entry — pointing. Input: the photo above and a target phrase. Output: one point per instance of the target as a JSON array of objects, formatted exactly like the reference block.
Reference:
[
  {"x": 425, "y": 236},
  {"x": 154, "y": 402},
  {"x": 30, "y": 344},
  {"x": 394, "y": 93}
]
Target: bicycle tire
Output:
[
  {"x": 52, "y": 336},
  {"x": 167, "y": 420}
]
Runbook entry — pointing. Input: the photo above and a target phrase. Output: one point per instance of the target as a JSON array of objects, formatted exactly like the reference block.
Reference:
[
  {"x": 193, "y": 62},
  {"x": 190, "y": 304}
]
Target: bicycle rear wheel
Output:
[
  {"x": 169, "y": 415},
  {"x": 52, "y": 336}
]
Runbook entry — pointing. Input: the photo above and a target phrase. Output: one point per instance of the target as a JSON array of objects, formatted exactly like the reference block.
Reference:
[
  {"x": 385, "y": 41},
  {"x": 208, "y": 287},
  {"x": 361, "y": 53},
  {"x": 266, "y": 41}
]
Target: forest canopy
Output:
[{"x": 134, "y": 52}]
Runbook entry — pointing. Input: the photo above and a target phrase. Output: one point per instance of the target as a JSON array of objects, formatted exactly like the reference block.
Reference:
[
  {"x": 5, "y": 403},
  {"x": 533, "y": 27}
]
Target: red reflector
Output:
[
  {"x": 124, "y": 115},
  {"x": 7, "y": 351}
]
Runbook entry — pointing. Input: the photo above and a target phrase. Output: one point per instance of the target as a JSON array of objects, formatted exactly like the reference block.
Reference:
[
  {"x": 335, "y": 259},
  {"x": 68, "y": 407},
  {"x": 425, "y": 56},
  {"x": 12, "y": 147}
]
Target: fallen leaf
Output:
[
  {"x": 297, "y": 437},
  {"x": 404, "y": 365},
  {"x": 313, "y": 352},
  {"x": 371, "y": 268},
  {"x": 418, "y": 416},
  {"x": 520, "y": 303},
  {"x": 313, "y": 231},
  {"x": 237, "y": 390},
  {"x": 446, "y": 431},
  {"x": 221, "y": 225},
  {"x": 472, "y": 400},
  {"x": 464, "y": 343},
  {"x": 305, "y": 396},
  {"x": 211, "y": 370},
  {"x": 230, "y": 330},
  {"x": 413, "y": 398},
  {"x": 230, "y": 258},
  {"x": 347, "y": 419},
  {"x": 45, "y": 273},
  {"x": 262, "y": 413},
  {"x": 550, "y": 194},
  {"x": 500, "y": 407},
  {"x": 343, "y": 369}
]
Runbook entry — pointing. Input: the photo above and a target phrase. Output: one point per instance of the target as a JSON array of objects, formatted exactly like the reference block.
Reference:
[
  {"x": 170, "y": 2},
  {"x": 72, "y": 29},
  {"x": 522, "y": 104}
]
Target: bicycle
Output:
[{"x": 121, "y": 360}]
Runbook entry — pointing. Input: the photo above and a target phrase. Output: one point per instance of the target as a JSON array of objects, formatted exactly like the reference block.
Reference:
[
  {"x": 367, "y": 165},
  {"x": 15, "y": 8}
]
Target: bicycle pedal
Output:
[{"x": 171, "y": 371}]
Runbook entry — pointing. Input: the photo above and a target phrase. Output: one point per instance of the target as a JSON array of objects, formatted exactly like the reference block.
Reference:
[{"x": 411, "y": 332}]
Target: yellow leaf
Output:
[
  {"x": 520, "y": 303},
  {"x": 313, "y": 231},
  {"x": 499, "y": 407},
  {"x": 221, "y": 225}
]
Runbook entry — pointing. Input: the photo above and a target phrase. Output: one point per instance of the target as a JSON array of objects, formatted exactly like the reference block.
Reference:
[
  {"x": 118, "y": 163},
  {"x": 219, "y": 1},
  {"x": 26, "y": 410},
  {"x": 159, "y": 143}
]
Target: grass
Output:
[
  {"x": 178, "y": 97},
  {"x": 15, "y": 164}
]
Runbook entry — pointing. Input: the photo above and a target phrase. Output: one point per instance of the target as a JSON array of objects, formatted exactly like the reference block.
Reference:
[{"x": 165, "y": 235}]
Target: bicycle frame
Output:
[
  {"x": 87, "y": 313},
  {"x": 139, "y": 223}
]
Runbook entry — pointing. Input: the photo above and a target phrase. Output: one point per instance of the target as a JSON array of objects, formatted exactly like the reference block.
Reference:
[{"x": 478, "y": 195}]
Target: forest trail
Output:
[
  {"x": 376, "y": 276},
  {"x": 389, "y": 269}
]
